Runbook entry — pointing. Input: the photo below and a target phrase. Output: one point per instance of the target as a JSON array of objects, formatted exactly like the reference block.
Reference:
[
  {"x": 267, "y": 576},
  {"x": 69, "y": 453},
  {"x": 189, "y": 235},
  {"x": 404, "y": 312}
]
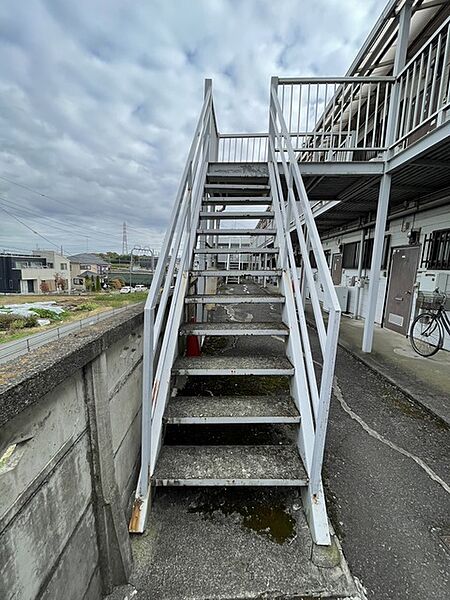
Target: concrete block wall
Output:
[{"x": 72, "y": 409}]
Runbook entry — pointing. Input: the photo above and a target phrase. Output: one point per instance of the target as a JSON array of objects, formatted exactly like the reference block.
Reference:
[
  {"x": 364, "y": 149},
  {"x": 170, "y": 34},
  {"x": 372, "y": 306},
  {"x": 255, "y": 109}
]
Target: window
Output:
[
  {"x": 50, "y": 265},
  {"x": 436, "y": 250},
  {"x": 63, "y": 266},
  {"x": 368, "y": 251},
  {"x": 350, "y": 255},
  {"x": 85, "y": 267},
  {"x": 312, "y": 260}
]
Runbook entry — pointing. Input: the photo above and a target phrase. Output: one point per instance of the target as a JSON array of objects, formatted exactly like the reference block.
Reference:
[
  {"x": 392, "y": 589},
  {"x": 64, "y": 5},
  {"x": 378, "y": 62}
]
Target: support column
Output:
[
  {"x": 360, "y": 263},
  {"x": 385, "y": 185},
  {"x": 377, "y": 255}
]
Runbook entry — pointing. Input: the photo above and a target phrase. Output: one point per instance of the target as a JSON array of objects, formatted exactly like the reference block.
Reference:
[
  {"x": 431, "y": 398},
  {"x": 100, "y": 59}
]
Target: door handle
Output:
[{"x": 399, "y": 299}]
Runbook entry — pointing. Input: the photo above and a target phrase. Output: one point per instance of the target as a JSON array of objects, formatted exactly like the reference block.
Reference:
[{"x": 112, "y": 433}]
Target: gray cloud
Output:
[{"x": 99, "y": 99}]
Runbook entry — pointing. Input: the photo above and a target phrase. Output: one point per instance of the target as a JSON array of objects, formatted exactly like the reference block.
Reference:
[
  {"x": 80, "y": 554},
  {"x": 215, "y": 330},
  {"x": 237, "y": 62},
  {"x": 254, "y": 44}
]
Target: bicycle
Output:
[{"x": 428, "y": 328}]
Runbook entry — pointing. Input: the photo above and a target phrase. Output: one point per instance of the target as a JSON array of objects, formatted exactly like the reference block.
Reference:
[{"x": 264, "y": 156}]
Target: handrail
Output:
[
  {"x": 336, "y": 118},
  {"x": 164, "y": 301},
  {"x": 423, "y": 89},
  {"x": 280, "y": 142},
  {"x": 347, "y": 79},
  {"x": 428, "y": 42}
]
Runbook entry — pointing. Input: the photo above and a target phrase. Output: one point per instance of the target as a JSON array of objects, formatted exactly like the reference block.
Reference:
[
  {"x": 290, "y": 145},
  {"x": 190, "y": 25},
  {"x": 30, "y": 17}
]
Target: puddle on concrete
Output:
[{"x": 267, "y": 517}]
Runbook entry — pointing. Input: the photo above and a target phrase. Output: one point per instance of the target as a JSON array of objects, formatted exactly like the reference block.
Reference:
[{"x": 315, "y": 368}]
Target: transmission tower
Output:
[{"x": 124, "y": 239}]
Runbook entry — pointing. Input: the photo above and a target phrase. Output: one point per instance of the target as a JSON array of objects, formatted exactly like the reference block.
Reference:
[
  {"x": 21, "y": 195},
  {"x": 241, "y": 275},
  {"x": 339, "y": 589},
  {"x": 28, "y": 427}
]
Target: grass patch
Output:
[
  {"x": 45, "y": 313},
  {"x": 76, "y": 307},
  {"x": 10, "y": 322},
  {"x": 86, "y": 306}
]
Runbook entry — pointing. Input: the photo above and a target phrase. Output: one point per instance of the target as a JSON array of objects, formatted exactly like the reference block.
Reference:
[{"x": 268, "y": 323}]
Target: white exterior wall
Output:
[{"x": 428, "y": 221}]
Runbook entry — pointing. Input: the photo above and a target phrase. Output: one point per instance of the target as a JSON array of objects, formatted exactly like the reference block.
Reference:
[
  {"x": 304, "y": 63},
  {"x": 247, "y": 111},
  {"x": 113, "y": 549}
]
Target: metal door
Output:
[
  {"x": 336, "y": 268},
  {"x": 401, "y": 285}
]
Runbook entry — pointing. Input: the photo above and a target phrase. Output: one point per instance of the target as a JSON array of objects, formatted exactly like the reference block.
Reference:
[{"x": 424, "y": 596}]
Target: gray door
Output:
[
  {"x": 336, "y": 268},
  {"x": 401, "y": 285}
]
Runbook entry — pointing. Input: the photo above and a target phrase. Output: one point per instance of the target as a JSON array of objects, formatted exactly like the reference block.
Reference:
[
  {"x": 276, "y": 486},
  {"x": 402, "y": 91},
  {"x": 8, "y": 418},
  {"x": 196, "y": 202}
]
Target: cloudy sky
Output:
[{"x": 99, "y": 99}]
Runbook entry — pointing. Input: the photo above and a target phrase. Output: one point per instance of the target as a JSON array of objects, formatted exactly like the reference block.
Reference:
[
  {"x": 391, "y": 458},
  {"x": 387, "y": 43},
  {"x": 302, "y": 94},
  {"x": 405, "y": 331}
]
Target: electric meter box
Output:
[{"x": 433, "y": 280}]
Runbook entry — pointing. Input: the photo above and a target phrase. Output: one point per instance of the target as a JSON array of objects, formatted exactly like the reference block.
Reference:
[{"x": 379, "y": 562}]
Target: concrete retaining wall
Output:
[{"x": 72, "y": 409}]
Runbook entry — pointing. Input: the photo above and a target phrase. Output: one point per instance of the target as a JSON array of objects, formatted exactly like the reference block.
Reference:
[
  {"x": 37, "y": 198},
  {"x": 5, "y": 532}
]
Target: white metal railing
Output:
[
  {"x": 424, "y": 84},
  {"x": 286, "y": 199},
  {"x": 242, "y": 147},
  {"x": 335, "y": 119},
  {"x": 164, "y": 306}
]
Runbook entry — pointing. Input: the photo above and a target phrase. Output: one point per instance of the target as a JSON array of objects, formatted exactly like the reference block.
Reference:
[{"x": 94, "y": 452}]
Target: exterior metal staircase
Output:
[{"x": 210, "y": 194}]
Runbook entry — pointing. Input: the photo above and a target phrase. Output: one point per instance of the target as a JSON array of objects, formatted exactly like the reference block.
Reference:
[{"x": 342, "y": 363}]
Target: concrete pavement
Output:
[{"x": 233, "y": 543}]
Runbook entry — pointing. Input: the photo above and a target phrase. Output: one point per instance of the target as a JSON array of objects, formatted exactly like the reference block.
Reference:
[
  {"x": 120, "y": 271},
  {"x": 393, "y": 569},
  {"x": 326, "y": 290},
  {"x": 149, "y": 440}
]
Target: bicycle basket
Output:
[{"x": 430, "y": 300}]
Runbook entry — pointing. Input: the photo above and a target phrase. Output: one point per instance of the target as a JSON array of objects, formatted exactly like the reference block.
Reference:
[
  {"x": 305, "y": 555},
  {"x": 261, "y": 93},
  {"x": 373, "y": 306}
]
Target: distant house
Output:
[
  {"x": 41, "y": 271},
  {"x": 87, "y": 265}
]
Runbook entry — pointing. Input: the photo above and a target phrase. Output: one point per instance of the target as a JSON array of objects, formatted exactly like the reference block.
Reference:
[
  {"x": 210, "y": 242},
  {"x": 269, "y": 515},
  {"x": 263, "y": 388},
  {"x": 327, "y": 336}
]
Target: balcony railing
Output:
[
  {"x": 242, "y": 147},
  {"x": 424, "y": 94},
  {"x": 345, "y": 118},
  {"x": 337, "y": 119}
]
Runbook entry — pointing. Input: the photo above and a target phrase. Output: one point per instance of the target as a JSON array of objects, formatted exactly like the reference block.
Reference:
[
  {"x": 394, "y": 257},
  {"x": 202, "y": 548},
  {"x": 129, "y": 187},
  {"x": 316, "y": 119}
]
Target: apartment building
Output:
[{"x": 403, "y": 209}]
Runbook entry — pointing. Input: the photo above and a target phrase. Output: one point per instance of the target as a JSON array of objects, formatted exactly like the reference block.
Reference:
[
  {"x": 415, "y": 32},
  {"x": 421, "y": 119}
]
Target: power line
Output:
[
  {"x": 30, "y": 189},
  {"x": 28, "y": 227},
  {"x": 10, "y": 204}
]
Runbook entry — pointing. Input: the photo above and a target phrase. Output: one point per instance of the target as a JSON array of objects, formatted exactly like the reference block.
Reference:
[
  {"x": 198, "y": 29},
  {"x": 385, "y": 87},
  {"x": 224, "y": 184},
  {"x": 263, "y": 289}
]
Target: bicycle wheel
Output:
[{"x": 426, "y": 334}]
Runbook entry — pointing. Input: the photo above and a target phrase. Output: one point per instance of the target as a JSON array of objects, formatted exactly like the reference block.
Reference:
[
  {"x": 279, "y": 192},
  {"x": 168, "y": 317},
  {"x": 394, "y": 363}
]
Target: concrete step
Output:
[
  {"x": 243, "y": 250},
  {"x": 237, "y": 200},
  {"x": 234, "y": 329},
  {"x": 237, "y": 214},
  {"x": 216, "y": 410},
  {"x": 229, "y": 465},
  {"x": 237, "y": 273},
  {"x": 233, "y": 365},
  {"x": 237, "y": 232},
  {"x": 234, "y": 299}
]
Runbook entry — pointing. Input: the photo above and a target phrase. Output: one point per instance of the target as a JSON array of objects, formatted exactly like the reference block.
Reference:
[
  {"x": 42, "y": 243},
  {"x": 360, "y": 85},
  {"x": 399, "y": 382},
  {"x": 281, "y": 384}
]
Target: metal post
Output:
[
  {"x": 377, "y": 255},
  {"x": 304, "y": 284},
  {"x": 360, "y": 264},
  {"x": 385, "y": 185}
]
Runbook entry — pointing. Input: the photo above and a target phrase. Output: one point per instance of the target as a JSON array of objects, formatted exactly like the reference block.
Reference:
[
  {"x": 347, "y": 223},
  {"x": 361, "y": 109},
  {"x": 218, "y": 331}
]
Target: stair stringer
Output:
[
  {"x": 314, "y": 506},
  {"x": 163, "y": 376},
  {"x": 298, "y": 382}
]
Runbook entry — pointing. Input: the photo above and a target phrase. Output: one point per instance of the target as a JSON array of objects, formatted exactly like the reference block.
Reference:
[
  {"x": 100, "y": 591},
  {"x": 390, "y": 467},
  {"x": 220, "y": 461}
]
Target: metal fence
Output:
[
  {"x": 336, "y": 119},
  {"x": 424, "y": 88},
  {"x": 242, "y": 147},
  {"x": 12, "y": 350}
]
